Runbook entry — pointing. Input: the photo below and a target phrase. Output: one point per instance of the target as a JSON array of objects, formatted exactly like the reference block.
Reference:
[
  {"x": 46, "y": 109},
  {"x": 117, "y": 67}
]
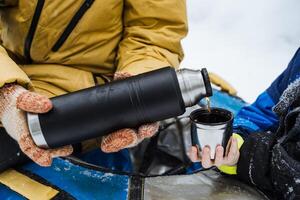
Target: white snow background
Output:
[{"x": 249, "y": 43}]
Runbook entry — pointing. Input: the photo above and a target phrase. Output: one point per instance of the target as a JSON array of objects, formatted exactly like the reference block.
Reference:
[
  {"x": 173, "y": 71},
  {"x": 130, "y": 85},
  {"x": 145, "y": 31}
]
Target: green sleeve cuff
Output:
[{"x": 232, "y": 170}]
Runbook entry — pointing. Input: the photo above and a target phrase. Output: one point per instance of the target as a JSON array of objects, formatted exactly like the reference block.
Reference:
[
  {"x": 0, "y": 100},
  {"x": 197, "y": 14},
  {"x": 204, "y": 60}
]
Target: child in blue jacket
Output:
[{"x": 269, "y": 157}]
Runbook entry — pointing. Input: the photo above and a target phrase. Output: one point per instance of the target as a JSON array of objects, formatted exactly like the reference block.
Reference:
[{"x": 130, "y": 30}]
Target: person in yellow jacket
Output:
[{"x": 51, "y": 47}]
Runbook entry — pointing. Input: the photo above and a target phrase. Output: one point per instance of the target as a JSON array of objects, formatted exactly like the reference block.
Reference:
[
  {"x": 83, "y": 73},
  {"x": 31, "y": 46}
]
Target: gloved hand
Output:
[
  {"x": 14, "y": 100},
  {"x": 126, "y": 138},
  {"x": 231, "y": 157}
]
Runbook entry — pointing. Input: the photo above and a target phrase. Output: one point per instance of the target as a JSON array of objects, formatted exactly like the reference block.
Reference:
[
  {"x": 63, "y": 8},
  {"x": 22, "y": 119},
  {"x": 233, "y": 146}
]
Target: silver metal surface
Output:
[
  {"x": 201, "y": 186},
  {"x": 211, "y": 128},
  {"x": 36, "y": 130},
  {"x": 192, "y": 86},
  {"x": 211, "y": 135}
]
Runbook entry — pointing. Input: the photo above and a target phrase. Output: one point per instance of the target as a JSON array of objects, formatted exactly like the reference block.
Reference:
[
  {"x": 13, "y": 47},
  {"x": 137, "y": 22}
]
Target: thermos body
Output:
[{"x": 100, "y": 110}]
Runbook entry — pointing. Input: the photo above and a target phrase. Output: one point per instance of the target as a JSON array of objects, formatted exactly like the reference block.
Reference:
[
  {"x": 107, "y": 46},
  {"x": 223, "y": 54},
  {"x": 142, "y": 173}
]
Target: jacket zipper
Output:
[
  {"x": 32, "y": 29},
  {"x": 74, "y": 21}
]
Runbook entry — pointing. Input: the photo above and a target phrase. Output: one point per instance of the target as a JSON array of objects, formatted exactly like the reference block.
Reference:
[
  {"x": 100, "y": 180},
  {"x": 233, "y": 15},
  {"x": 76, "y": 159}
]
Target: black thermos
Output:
[{"x": 100, "y": 110}]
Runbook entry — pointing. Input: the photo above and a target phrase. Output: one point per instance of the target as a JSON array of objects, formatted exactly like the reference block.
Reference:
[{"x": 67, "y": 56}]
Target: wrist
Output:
[
  {"x": 122, "y": 75},
  {"x": 8, "y": 96},
  {"x": 10, "y": 91},
  {"x": 10, "y": 116}
]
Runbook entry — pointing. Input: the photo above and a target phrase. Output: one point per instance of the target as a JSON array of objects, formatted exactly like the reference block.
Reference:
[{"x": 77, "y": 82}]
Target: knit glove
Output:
[
  {"x": 126, "y": 138},
  {"x": 14, "y": 102}
]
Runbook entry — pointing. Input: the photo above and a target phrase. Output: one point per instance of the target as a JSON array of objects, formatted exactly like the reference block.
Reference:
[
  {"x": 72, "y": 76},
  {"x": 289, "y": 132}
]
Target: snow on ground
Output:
[{"x": 249, "y": 43}]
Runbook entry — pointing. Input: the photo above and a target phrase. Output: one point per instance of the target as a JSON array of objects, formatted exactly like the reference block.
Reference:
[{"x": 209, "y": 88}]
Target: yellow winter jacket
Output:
[{"x": 60, "y": 46}]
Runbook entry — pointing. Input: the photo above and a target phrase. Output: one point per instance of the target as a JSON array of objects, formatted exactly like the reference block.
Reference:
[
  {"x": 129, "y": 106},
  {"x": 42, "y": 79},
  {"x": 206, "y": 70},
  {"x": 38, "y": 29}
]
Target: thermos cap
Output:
[
  {"x": 36, "y": 130},
  {"x": 194, "y": 85}
]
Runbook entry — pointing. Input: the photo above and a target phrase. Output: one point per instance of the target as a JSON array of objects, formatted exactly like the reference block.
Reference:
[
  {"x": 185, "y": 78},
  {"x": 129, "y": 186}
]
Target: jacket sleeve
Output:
[
  {"x": 259, "y": 116},
  {"x": 254, "y": 163},
  {"x": 152, "y": 34},
  {"x": 10, "y": 72},
  {"x": 256, "y": 117}
]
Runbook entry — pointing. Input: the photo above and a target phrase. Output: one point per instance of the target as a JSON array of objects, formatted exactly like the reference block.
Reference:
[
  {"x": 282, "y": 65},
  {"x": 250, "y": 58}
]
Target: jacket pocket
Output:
[{"x": 70, "y": 27}]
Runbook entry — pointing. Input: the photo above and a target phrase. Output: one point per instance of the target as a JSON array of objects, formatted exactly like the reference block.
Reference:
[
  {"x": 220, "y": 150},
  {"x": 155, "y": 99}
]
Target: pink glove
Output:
[
  {"x": 126, "y": 138},
  {"x": 14, "y": 100}
]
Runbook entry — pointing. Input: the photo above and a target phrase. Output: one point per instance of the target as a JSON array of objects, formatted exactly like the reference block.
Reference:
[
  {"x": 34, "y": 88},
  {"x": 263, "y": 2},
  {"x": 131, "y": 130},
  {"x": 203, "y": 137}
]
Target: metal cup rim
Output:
[{"x": 212, "y": 109}]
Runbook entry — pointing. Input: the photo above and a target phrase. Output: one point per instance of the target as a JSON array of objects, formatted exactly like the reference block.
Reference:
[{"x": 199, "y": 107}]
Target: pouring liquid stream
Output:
[{"x": 208, "y": 104}]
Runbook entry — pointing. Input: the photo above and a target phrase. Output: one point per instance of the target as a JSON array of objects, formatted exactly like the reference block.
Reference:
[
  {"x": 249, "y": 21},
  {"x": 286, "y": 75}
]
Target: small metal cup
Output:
[{"x": 211, "y": 128}]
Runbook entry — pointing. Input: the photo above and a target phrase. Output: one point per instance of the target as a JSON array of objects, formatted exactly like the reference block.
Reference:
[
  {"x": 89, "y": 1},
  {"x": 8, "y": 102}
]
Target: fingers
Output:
[
  {"x": 147, "y": 130},
  {"x": 118, "y": 140},
  {"x": 233, "y": 154},
  {"x": 228, "y": 146},
  {"x": 206, "y": 161},
  {"x": 233, "y": 148},
  {"x": 61, "y": 152},
  {"x": 33, "y": 102},
  {"x": 219, "y": 156},
  {"x": 40, "y": 156},
  {"x": 126, "y": 138},
  {"x": 193, "y": 154},
  {"x": 121, "y": 75}
]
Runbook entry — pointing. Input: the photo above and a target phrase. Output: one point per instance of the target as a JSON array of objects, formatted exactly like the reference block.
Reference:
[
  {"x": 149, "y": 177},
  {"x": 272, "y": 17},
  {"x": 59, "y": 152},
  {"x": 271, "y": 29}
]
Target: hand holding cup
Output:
[
  {"x": 230, "y": 158},
  {"x": 211, "y": 134}
]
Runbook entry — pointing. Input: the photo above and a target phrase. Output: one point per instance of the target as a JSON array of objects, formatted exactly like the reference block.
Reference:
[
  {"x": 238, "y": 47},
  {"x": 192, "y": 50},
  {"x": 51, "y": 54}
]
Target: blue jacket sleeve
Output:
[{"x": 259, "y": 115}]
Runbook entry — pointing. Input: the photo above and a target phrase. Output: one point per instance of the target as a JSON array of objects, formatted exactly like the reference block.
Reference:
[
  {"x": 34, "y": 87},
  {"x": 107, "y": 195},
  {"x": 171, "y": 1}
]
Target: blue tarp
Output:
[{"x": 82, "y": 183}]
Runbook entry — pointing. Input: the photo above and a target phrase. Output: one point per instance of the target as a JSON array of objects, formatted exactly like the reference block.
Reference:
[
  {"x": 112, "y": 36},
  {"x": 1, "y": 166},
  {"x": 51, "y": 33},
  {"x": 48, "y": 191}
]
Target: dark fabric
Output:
[
  {"x": 271, "y": 161},
  {"x": 254, "y": 162},
  {"x": 136, "y": 188},
  {"x": 285, "y": 163},
  {"x": 163, "y": 154},
  {"x": 10, "y": 153},
  {"x": 285, "y": 170}
]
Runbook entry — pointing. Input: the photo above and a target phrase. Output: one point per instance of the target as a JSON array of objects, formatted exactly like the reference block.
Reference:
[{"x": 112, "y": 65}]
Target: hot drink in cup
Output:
[{"x": 211, "y": 128}]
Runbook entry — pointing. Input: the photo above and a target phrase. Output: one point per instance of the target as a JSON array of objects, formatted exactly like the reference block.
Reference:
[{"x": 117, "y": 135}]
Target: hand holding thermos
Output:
[
  {"x": 98, "y": 111},
  {"x": 129, "y": 103},
  {"x": 127, "y": 137},
  {"x": 15, "y": 101}
]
